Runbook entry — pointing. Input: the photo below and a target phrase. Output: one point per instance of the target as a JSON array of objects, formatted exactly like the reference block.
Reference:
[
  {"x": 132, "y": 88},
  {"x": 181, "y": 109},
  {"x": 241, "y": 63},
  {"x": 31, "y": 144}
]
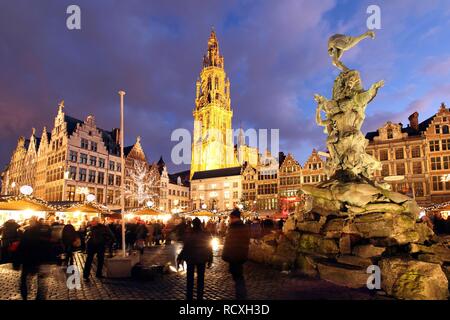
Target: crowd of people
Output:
[{"x": 36, "y": 243}]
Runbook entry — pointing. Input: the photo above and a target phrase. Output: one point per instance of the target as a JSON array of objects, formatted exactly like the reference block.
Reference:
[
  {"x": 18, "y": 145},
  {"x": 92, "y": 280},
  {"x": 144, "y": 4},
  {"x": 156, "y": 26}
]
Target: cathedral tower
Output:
[{"x": 212, "y": 146}]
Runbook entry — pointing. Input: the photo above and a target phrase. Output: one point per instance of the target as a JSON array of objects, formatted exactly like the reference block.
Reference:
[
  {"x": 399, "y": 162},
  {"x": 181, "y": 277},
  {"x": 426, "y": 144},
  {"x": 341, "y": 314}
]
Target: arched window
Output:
[
  {"x": 216, "y": 84},
  {"x": 209, "y": 84},
  {"x": 390, "y": 134},
  {"x": 445, "y": 129}
]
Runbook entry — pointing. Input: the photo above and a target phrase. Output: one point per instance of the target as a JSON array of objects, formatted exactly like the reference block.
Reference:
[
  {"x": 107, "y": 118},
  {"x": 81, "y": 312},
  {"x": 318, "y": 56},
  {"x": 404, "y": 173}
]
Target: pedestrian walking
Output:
[
  {"x": 97, "y": 238},
  {"x": 33, "y": 252},
  {"x": 235, "y": 251},
  {"x": 197, "y": 253},
  {"x": 70, "y": 240},
  {"x": 141, "y": 236}
]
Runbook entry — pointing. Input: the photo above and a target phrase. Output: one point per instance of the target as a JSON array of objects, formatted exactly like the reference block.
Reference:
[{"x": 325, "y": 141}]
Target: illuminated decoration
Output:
[
  {"x": 445, "y": 178},
  {"x": 13, "y": 185},
  {"x": 240, "y": 206},
  {"x": 421, "y": 214},
  {"x": 212, "y": 146},
  {"x": 26, "y": 190},
  {"x": 90, "y": 197},
  {"x": 444, "y": 214},
  {"x": 204, "y": 206},
  {"x": 394, "y": 178},
  {"x": 82, "y": 190},
  {"x": 150, "y": 203},
  {"x": 215, "y": 244}
]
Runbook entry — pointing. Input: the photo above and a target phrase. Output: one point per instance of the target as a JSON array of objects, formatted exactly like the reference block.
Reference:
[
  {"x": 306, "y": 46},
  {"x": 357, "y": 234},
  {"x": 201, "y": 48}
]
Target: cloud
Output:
[{"x": 275, "y": 55}]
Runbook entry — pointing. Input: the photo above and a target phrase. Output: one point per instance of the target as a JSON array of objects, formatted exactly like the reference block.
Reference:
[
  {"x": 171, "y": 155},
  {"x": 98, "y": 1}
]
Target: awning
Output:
[
  {"x": 84, "y": 207},
  {"x": 22, "y": 202},
  {"x": 146, "y": 211},
  {"x": 200, "y": 213}
]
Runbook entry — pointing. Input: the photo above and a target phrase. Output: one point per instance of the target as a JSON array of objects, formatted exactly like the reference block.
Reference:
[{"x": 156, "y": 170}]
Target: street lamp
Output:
[
  {"x": 122, "y": 182},
  {"x": 26, "y": 190},
  {"x": 204, "y": 206},
  {"x": 150, "y": 203},
  {"x": 90, "y": 197}
]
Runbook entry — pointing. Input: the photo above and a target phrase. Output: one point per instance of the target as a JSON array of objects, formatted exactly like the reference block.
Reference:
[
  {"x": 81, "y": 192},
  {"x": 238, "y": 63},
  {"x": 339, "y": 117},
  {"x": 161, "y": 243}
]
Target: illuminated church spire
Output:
[{"x": 212, "y": 147}]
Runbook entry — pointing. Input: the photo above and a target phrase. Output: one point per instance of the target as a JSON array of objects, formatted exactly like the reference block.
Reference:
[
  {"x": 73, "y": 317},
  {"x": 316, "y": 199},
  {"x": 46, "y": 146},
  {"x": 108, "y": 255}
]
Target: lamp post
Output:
[{"x": 122, "y": 184}]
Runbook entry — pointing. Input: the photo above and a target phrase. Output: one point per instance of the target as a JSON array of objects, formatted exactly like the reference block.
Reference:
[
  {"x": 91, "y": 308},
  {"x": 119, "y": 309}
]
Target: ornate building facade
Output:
[
  {"x": 415, "y": 158},
  {"x": 78, "y": 158}
]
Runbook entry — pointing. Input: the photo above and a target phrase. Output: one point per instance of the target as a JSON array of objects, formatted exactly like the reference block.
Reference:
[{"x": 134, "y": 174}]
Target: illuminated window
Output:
[
  {"x": 434, "y": 146},
  {"x": 436, "y": 163},
  {"x": 415, "y": 152},
  {"x": 437, "y": 183},
  {"x": 399, "y": 153},
  {"x": 383, "y": 155},
  {"x": 390, "y": 134}
]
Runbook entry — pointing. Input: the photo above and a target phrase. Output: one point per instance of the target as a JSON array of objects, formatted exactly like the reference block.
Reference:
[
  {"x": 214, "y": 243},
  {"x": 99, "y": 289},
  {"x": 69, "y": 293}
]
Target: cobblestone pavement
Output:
[{"x": 262, "y": 283}]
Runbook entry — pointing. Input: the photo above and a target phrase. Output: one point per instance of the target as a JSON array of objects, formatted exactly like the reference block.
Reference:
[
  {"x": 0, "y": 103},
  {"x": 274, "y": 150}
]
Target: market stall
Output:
[
  {"x": 147, "y": 214},
  {"x": 23, "y": 207},
  {"x": 77, "y": 212}
]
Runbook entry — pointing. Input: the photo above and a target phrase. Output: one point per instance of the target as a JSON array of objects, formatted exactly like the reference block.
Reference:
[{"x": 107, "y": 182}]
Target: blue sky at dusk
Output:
[{"x": 275, "y": 56}]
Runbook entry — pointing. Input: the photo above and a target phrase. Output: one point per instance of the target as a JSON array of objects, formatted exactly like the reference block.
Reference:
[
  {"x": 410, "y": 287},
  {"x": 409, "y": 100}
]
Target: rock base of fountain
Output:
[{"x": 349, "y": 226}]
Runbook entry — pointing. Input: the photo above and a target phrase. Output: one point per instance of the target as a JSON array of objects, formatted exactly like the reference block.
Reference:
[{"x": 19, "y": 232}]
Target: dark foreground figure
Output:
[
  {"x": 197, "y": 252},
  {"x": 98, "y": 237},
  {"x": 235, "y": 251},
  {"x": 34, "y": 250}
]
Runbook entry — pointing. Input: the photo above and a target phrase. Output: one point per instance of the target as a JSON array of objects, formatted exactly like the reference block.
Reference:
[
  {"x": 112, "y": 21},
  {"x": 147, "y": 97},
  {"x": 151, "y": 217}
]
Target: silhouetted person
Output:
[
  {"x": 98, "y": 236},
  {"x": 235, "y": 251},
  {"x": 33, "y": 251},
  {"x": 69, "y": 236},
  {"x": 197, "y": 252}
]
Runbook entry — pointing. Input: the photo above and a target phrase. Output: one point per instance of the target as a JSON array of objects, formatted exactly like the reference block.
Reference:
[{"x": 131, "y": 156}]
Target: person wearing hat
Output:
[
  {"x": 197, "y": 252},
  {"x": 235, "y": 251}
]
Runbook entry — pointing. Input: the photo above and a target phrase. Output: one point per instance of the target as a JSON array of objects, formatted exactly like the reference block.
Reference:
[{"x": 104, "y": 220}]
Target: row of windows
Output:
[
  {"x": 438, "y": 145},
  {"x": 94, "y": 161},
  {"x": 55, "y": 174},
  {"x": 56, "y": 158},
  {"x": 247, "y": 186},
  {"x": 267, "y": 176},
  {"x": 399, "y": 153},
  {"x": 400, "y": 169},
  {"x": 93, "y": 176},
  {"x": 85, "y": 144},
  {"x": 314, "y": 179},
  {"x": 178, "y": 193},
  {"x": 249, "y": 196},
  {"x": 56, "y": 144},
  {"x": 439, "y": 185},
  {"x": 290, "y": 169},
  {"x": 267, "y": 204},
  {"x": 268, "y": 188},
  {"x": 439, "y": 163},
  {"x": 286, "y": 181},
  {"x": 214, "y": 186}
]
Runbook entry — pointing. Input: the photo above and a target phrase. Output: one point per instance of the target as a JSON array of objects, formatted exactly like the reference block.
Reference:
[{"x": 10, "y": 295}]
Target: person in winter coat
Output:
[
  {"x": 235, "y": 251},
  {"x": 69, "y": 237},
  {"x": 97, "y": 238},
  {"x": 34, "y": 250},
  {"x": 141, "y": 236},
  {"x": 197, "y": 252}
]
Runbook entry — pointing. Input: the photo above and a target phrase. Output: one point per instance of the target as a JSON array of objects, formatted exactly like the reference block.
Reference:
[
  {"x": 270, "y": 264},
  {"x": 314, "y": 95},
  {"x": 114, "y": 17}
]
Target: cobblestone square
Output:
[{"x": 263, "y": 283}]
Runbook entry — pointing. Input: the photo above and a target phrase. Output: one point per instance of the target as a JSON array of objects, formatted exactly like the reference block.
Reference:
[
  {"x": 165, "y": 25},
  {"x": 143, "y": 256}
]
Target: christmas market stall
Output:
[
  {"x": 203, "y": 214},
  {"x": 22, "y": 207},
  {"x": 437, "y": 217},
  {"x": 147, "y": 213},
  {"x": 77, "y": 212}
]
